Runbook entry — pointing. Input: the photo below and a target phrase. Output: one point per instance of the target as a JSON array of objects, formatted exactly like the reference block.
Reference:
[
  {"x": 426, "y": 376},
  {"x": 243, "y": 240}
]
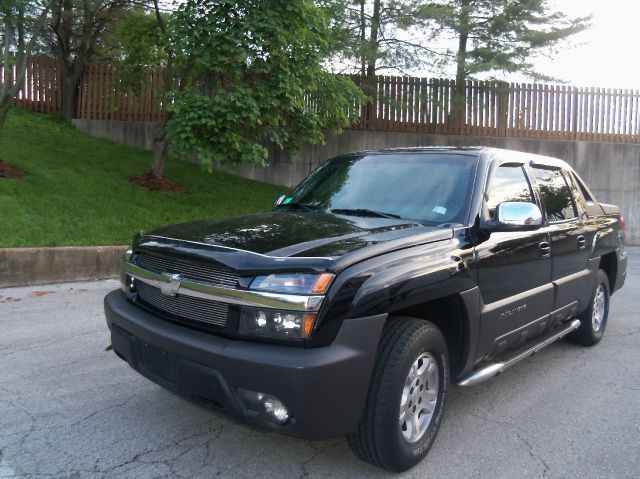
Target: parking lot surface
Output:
[{"x": 68, "y": 408}]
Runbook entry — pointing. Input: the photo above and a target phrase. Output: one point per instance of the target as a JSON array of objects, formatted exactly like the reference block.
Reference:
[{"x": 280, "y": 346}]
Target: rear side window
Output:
[
  {"x": 585, "y": 192},
  {"x": 576, "y": 192},
  {"x": 509, "y": 183},
  {"x": 556, "y": 194}
]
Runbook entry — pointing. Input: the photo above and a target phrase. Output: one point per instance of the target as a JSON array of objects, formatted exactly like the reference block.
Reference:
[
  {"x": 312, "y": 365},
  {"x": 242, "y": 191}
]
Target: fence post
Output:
[
  {"x": 503, "y": 107},
  {"x": 574, "y": 113}
]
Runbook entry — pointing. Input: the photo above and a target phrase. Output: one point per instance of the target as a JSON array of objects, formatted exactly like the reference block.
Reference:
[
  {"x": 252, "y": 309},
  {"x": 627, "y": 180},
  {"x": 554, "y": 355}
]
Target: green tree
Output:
[
  {"x": 21, "y": 24},
  {"x": 375, "y": 35},
  {"x": 254, "y": 74},
  {"x": 146, "y": 40},
  {"x": 500, "y": 35},
  {"x": 75, "y": 34},
  {"x": 380, "y": 35},
  {"x": 134, "y": 45},
  {"x": 496, "y": 37}
]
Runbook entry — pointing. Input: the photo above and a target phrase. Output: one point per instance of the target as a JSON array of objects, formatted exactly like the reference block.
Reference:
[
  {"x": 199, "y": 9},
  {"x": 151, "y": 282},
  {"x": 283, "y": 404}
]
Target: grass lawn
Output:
[{"x": 76, "y": 191}]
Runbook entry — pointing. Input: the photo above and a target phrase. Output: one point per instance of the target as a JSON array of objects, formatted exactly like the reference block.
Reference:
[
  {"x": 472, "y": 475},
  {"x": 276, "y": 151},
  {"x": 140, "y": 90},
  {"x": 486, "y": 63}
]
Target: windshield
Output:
[{"x": 427, "y": 187}]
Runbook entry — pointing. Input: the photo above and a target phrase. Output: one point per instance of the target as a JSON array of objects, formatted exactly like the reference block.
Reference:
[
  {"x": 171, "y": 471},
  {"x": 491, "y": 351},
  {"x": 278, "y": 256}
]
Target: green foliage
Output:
[
  {"x": 134, "y": 45},
  {"x": 375, "y": 35},
  {"x": 21, "y": 24},
  {"x": 24, "y": 15},
  {"x": 251, "y": 72},
  {"x": 502, "y": 35},
  {"x": 76, "y": 190}
]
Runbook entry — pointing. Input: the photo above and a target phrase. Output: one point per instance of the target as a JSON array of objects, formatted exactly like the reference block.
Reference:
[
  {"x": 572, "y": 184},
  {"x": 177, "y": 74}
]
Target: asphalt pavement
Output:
[{"x": 70, "y": 409}]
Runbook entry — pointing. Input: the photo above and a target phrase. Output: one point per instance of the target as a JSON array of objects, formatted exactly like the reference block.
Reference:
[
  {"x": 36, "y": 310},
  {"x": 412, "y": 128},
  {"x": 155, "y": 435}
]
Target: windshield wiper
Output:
[
  {"x": 303, "y": 206},
  {"x": 364, "y": 212}
]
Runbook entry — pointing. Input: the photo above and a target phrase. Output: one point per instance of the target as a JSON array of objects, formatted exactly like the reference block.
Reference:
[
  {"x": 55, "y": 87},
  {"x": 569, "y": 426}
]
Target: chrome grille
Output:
[
  {"x": 214, "y": 275},
  {"x": 197, "y": 310}
]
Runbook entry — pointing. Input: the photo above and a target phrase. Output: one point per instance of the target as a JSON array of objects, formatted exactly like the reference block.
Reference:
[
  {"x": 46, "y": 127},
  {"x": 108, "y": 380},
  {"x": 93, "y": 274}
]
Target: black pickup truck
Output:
[{"x": 381, "y": 279}]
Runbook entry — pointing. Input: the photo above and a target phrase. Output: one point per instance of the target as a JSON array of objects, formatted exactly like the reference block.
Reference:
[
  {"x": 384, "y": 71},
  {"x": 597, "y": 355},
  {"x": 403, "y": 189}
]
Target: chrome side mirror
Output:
[
  {"x": 516, "y": 216},
  {"x": 278, "y": 201}
]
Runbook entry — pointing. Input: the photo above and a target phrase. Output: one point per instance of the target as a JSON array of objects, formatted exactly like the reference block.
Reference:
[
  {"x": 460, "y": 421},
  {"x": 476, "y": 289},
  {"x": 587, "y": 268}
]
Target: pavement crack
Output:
[
  {"x": 100, "y": 411},
  {"x": 519, "y": 434},
  {"x": 305, "y": 464}
]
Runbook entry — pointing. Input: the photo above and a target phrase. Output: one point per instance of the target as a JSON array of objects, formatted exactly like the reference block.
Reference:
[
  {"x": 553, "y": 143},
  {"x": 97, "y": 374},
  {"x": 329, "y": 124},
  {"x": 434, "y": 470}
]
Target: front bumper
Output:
[{"x": 324, "y": 388}]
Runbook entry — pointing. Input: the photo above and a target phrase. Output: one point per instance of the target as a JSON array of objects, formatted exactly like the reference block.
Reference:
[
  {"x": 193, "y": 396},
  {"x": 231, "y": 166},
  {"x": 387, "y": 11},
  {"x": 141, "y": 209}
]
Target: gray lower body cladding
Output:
[{"x": 323, "y": 388}]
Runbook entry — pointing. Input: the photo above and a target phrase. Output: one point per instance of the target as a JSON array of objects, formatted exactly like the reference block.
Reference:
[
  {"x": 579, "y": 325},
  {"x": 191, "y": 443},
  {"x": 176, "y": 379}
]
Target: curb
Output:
[{"x": 32, "y": 266}]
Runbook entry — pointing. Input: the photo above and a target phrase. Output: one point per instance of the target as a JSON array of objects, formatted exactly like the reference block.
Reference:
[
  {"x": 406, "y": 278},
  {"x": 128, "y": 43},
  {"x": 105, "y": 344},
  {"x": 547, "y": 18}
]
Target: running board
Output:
[{"x": 493, "y": 369}]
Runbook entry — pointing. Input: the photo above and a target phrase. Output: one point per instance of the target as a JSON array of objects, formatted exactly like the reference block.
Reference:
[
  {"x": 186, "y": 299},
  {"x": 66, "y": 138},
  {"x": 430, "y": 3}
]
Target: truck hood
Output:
[
  {"x": 285, "y": 241},
  {"x": 290, "y": 234}
]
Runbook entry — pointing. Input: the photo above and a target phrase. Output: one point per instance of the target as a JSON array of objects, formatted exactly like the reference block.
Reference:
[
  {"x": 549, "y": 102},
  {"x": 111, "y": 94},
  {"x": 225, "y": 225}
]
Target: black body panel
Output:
[{"x": 509, "y": 288}]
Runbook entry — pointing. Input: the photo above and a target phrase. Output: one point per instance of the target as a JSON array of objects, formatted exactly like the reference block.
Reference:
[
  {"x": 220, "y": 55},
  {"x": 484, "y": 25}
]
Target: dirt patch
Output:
[
  {"x": 10, "y": 172},
  {"x": 163, "y": 185},
  {"x": 37, "y": 294}
]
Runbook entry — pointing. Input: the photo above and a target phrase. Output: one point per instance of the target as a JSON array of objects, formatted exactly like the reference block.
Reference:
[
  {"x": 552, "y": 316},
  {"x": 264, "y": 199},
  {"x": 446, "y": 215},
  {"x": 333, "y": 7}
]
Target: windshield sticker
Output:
[
  {"x": 287, "y": 201},
  {"x": 441, "y": 210}
]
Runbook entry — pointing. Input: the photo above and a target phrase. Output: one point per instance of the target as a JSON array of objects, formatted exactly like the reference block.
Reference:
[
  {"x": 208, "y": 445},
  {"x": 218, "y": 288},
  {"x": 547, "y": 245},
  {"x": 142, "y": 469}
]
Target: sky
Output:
[{"x": 607, "y": 54}]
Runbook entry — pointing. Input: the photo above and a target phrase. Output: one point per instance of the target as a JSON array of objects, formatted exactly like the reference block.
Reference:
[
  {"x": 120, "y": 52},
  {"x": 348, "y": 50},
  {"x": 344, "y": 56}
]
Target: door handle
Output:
[
  {"x": 582, "y": 243},
  {"x": 544, "y": 249}
]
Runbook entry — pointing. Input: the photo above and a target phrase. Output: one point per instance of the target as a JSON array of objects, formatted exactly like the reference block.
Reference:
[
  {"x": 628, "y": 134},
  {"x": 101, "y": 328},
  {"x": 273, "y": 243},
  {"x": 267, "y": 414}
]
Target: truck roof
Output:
[{"x": 475, "y": 151}]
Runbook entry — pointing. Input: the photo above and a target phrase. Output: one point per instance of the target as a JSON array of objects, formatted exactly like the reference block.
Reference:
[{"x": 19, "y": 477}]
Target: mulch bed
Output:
[
  {"x": 163, "y": 185},
  {"x": 10, "y": 172}
]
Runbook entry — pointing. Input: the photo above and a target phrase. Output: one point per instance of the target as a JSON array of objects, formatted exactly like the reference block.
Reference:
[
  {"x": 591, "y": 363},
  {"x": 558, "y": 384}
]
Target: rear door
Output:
[{"x": 570, "y": 239}]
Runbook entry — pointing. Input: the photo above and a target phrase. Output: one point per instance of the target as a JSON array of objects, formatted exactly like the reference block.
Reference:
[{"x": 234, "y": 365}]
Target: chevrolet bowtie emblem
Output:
[{"x": 172, "y": 286}]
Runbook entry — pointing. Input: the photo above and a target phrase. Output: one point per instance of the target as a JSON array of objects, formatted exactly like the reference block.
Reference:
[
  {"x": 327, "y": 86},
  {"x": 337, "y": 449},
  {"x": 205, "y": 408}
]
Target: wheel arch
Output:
[
  {"x": 609, "y": 264},
  {"x": 457, "y": 318}
]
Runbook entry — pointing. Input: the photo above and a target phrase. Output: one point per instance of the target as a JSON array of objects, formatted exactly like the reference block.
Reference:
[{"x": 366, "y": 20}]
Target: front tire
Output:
[
  {"x": 594, "y": 319},
  {"x": 407, "y": 396}
]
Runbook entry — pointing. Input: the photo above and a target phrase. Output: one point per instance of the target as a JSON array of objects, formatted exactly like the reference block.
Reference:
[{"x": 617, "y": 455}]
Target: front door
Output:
[{"x": 514, "y": 271}]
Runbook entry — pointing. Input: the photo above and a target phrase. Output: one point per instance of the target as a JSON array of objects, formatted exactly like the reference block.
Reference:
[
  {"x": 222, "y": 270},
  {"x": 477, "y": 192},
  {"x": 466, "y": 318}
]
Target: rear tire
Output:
[
  {"x": 407, "y": 396},
  {"x": 594, "y": 319}
]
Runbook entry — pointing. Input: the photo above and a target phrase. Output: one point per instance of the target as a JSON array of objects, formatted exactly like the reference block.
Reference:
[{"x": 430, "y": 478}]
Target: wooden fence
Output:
[
  {"x": 101, "y": 98},
  {"x": 503, "y": 109},
  {"x": 518, "y": 110},
  {"x": 41, "y": 90}
]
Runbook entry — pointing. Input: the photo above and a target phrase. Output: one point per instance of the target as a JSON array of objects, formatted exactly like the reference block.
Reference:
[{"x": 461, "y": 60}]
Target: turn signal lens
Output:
[
  {"x": 321, "y": 284},
  {"x": 307, "y": 324}
]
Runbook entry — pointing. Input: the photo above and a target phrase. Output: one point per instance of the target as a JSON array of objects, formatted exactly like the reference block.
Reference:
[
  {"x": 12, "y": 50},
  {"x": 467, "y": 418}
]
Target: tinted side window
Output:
[
  {"x": 555, "y": 193},
  {"x": 509, "y": 183},
  {"x": 585, "y": 193},
  {"x": 575, "y": 191}
]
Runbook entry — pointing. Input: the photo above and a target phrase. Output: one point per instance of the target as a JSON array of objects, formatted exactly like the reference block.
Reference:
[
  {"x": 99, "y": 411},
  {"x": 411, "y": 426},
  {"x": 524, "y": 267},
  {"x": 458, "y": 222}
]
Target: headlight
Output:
[
  {"x": 279, "y": 324},
  {"x": 293, "y": 283},
  {"x": 272, "y": 323}
]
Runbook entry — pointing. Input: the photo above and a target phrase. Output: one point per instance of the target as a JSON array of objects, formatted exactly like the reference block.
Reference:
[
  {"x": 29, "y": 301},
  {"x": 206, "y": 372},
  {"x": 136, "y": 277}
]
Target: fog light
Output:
[
  {"x": 275, "y": 409},
  {"x": 270, "y": 406}
]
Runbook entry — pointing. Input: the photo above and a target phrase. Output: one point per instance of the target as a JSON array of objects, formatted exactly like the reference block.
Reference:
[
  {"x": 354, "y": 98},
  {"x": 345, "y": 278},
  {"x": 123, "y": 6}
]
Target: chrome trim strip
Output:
[{"x": 196, "y": 289}]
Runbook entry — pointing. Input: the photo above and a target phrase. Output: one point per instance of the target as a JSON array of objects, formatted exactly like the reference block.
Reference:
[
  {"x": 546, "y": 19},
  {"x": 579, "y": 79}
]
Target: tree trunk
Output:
[
  {"x": 4, "y": 109},
  {"x": 369, "y": 81},
  {"x": 459, "y": 96},
  {"x": 363, "y": 39},
  {"x": 161, "y": 142},
  {"x": 69, "y": 96},
  {"x": 161, "y": 150}
]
